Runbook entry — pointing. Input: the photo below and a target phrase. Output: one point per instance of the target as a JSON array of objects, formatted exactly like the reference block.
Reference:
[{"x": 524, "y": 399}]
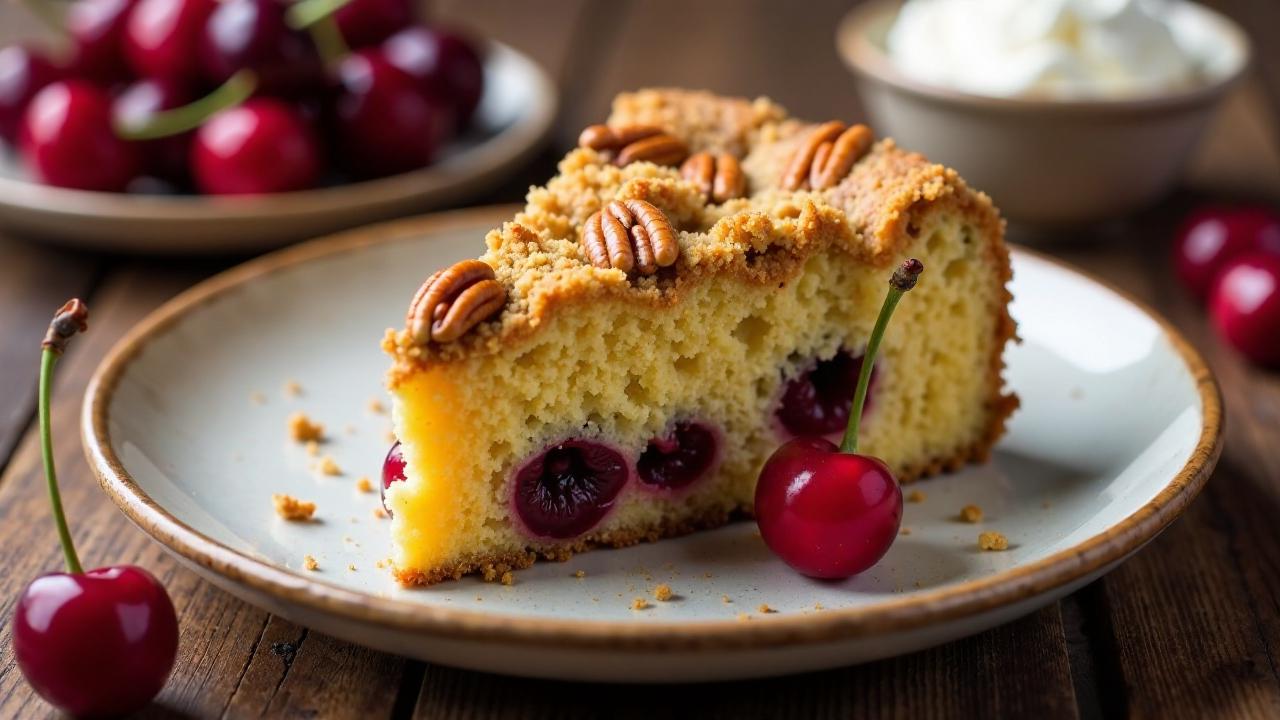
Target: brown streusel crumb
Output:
[
  {"x": 363, "y": 484},
  {"x": 905, "y": 531},
  {"x": 380, "y": 512},
  {"x": 726, "y": 599},
  {"x": 971, "y": 514},
  {"x": 292, "y": 388},
  {"x": 743, "y": 617},
  {"x": 376, "y": 407},
  {"x": 993, "y": 541},
  {"x": 351, "y": 567},
  {"x": 662, "y": 593},
  {"x": 291, "y": 508},
  {"x": 302, "y": 429},
  {"x": 765, "y": 609},
  {"x": 309, "y": 562},
  {"x": 580, "y": 574},
  {"x": 508, "y": 578},
  {"x": 313, "y": 448},
  {"x": 916, "y": 496},
  {"x": 328, "y": 466},
  {"x": 639, "y": 604}
]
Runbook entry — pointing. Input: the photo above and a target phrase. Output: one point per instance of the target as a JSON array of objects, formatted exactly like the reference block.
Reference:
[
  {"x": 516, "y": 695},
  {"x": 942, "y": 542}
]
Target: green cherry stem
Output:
[
  {"x": 904, "y": 278},
  {"x": 305, "y": 13},
  {"x": 238, "y": 88},
  {"x": 71, "y": 318},
  {"x": 48, "y": 13},
  {"x": 316, "y": 16}
]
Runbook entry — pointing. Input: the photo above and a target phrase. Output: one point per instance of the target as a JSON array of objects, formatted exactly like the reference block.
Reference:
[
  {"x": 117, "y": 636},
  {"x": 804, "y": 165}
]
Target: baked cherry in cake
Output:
[
  {"x": 679, "y": 458},
  {"x": 568, "y": 488},
  {"x": 817, "y": 402},
  {"x": 392, "y": 472}
]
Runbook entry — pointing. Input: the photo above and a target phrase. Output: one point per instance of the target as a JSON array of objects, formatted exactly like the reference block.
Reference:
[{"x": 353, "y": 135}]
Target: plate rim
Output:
[{"x": 946, "y": 604}]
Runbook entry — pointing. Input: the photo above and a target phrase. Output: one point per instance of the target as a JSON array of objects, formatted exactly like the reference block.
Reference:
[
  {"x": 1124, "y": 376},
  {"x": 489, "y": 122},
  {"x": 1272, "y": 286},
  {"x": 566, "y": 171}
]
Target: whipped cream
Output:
[{"x": 1050, "y": 48}]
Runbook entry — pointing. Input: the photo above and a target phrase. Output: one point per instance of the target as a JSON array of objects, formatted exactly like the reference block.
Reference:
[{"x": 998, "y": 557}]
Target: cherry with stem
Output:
[
  {"x": 827, "y": 511},
  {"x": 95, "y": 643}
]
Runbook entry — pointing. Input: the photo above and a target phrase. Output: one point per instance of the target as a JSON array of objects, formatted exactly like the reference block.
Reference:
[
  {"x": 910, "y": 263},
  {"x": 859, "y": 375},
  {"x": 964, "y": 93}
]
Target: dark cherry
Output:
[
  {"x": 567, "y": 489},
  {"x": 1213, "y": 236},
  {"x": 369, "y": 22},
  {"x": 68, "y": 139},
  {"x": 262, "y": 146},
  {"x": 392, "y": 471},
  {"x": 384, "y": 122},
  {"x": 23, "y": 73},
  {"x": 826, "y": 513},
  {"x": 445, "y": 64},
  {"x": 161, "y": 37},
  {"x": 680, "y": 458},
  {"x": 164, "y": 158},
  {"x": 252, "y": 34},
  {"x": 97, "y": 30},
  {"x": 1245, "y": 306},
  {"x": 99, "y": 643},
  {"x": 817, "y": 402}
]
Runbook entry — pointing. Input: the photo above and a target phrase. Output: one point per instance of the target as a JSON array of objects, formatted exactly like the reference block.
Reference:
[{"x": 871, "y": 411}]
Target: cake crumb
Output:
[
  {"x": 376, "y": 407},
  {"x": 916, "y": 496},
  {"x": 905, "y": 531},
  {"x": 993, "y": 541},
  {"x": 351, "y": 567},
  {"x": 726, "y": 600},
  {"x": 380, "y": 564},
  {"x": 291, "y": 508},
  {"x": 309, "y": 562},
  {"x": 580, "y": 574},
  {"x": 662, "y": 593},
  {"x": 292, "y": 388},
  {"x": 302, "y": 429},
  {"x": 257, "y": 398},
  {"x": 364, "y": 484},
  {"x": 313, "y": 448},
  {"x": 743, "y": 617},
  {"x": 639, "y": 604},
  {"x": 328, "y": 466},
  {"x": 380, "y": 512},
  {"x": 708, "y": 575},
  {"x": 391, "y": 437},
  {"x": 819, "y": 606},
  {"x": 508, "y": 578},
  {"x": 764, "y": 609},
  {"x": 971, "y": 514}
]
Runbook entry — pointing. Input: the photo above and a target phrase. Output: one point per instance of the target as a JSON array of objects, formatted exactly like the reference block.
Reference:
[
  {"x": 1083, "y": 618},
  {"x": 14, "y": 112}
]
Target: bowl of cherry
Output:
[{"x": 222, "y": 126}]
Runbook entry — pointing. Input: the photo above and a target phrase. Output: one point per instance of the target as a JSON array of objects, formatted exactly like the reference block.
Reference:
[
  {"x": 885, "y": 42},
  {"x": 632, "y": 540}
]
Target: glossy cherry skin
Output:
[
  {"x": 1213, "y": 236},
  {"x": 1245, "y": 306},
  {"x": 68, "y": 139},
  {"x": 23, "y": 73},
  {"x": 97, "y": 30},
  {"x": 392, "y": 471},
  {"x": 164, "y": 158},
  {"x": 98, "y": 644},
  {"x": 567, "y": 489},
  {"x": 825, "y": 513},
  {"x": 817, "y": 402},
  {"x": 252, "y": 34},
  {"x": 369, "y": 22},
  {"x": 384, "y": 123},
  {"x": 161, "y": 38},
  {"x": 445, "y": 64},
  {"x": 262, "y": 146}
]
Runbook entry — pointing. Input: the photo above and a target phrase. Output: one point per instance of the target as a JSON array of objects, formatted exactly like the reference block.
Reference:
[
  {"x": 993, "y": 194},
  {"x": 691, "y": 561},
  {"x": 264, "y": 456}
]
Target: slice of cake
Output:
[{"x": 695, "y": 286}]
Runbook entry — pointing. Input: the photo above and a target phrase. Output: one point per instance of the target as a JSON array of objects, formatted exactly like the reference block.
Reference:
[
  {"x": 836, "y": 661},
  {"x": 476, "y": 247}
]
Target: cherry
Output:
[
  {"x": 817, "y": 402},
  {"x": 827, "y": 511},
  {"x": 679, "y": 459},
  {"x": 164, "y": 158},
  {"x": 1213, "y": 236},
  {"x": 68, "y": 139},
  {"x": 96, "y": 643},
  {"x": 567, "y": 489},
  {"x": 252, "y": 34},
  {"x": 445, "y": 64},
  {"x": 1245, "y": 306},
  {"x": 161, "y": 36},
  {"x": 262, "y": 146},
  {"x": 369, "y": 22},
  {"x": 97, "y": 30},
  {"x": 23, "y": 73},
  {"x": 384, "y": 123},
  {"x": 392, "y": 471}
]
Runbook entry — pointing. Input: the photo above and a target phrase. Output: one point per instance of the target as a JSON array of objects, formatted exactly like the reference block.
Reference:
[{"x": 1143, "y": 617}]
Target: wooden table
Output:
[{"x": 1188, "y": 628}]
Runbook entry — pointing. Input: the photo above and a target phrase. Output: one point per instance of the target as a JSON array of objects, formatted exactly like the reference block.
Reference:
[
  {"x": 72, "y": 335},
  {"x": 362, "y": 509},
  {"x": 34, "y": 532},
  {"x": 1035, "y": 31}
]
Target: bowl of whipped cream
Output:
[{"x": 1064, "y": 111}]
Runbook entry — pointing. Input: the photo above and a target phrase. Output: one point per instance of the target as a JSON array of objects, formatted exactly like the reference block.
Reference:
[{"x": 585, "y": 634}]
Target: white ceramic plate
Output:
[
  {"x": 513, "y": 119},
  {"x": 1119, "y": 429}
]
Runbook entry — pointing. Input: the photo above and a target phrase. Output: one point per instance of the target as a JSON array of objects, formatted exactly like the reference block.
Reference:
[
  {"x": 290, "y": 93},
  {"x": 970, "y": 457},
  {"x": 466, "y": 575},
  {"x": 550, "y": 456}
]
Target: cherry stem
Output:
[
  {"x": 305, "y": 13},
  {"x": 904, "y": 278},
  {"x": 328, "y": 40},
  {"x": 238, "y": 88},
  {"x": 70, "y": 319},
  {"x": 52, "y": 17}
]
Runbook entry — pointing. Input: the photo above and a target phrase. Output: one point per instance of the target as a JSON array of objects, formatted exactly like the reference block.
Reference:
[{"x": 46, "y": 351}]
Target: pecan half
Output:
[
  {"x": 630, "y": 235},
  {"x": 719, "y": 177},
  {"x": 634, "y": 143},
  {"x": 454, "y": 300},
  {"x": 827, "y": 156}
]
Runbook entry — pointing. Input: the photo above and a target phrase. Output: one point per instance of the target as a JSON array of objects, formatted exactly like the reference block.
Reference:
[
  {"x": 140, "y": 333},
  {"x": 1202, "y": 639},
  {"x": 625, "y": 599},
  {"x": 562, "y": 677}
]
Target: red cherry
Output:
[
  {"x": 262, "y": 146},
  {"x": 99, "y": 643},
  {"x": 23, "y": 73},
  {"x": 826, "y": 513},
  {"x": 679, "y": 459},
  {"x": 818, "y": 401},
  {"x": 161, "y": 37},
  {"x": 97, "y": 30},
  {"x": 567, "y": 489},
  {"x": 252, "y": 34},
  {"x": 385, "y": 124},
  {"x": 445, "y": 64},
  {"x": 369, "y": 22},
  {"x": 392, "y": 471},
  {"x": 1213, "y": 236},
  {"x": 164, "y": 158},
  {"x": 1246, "y": 306},
  {"x": 68, "y": 139}
]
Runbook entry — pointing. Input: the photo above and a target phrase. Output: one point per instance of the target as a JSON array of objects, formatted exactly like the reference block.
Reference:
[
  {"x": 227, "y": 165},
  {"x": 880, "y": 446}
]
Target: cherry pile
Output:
[
  {"x": 1230, "y": 257},
  {"x": 236, "y": 96}
]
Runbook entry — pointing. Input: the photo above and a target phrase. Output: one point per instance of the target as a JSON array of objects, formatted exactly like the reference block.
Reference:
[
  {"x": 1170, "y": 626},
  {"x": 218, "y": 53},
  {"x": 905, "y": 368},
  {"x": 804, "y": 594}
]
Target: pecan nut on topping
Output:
[
  {"x": 630, "y": 235},
  {"x": 826, "y": 156},
  {"x": 454, "y": 300},
  {"x": 719, "y": 177},
  {"x": 634, "y": 143}
]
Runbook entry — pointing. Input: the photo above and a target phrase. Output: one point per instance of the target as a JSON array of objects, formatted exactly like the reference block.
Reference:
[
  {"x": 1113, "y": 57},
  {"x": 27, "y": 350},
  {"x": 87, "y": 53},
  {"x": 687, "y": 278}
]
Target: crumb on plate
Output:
[
  {"x": 765, "y": 609},
  {"x": 328, "y": 466},
  {"x": 291, "y": 508},
  {"x": 971, "y": 514},
  {"x": 905, "y": 531},
  {"x": 302, "y": 429},
  {"x": 380, "y": 512},
  {"x": 309, "y": 562},
  {"x": 508, "y": 578},
  {"x": 580, "y": 574},
  {"x": 364, "y": 484},
  {"x": 376, "y": 407},
  {"x": 662, "y": 593},
  {"x": 916, "y": 496},
  {"x": 292, "y": 388},
  {"x": 993, "y": 541},
  {"x": 639, "y": 604}
]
